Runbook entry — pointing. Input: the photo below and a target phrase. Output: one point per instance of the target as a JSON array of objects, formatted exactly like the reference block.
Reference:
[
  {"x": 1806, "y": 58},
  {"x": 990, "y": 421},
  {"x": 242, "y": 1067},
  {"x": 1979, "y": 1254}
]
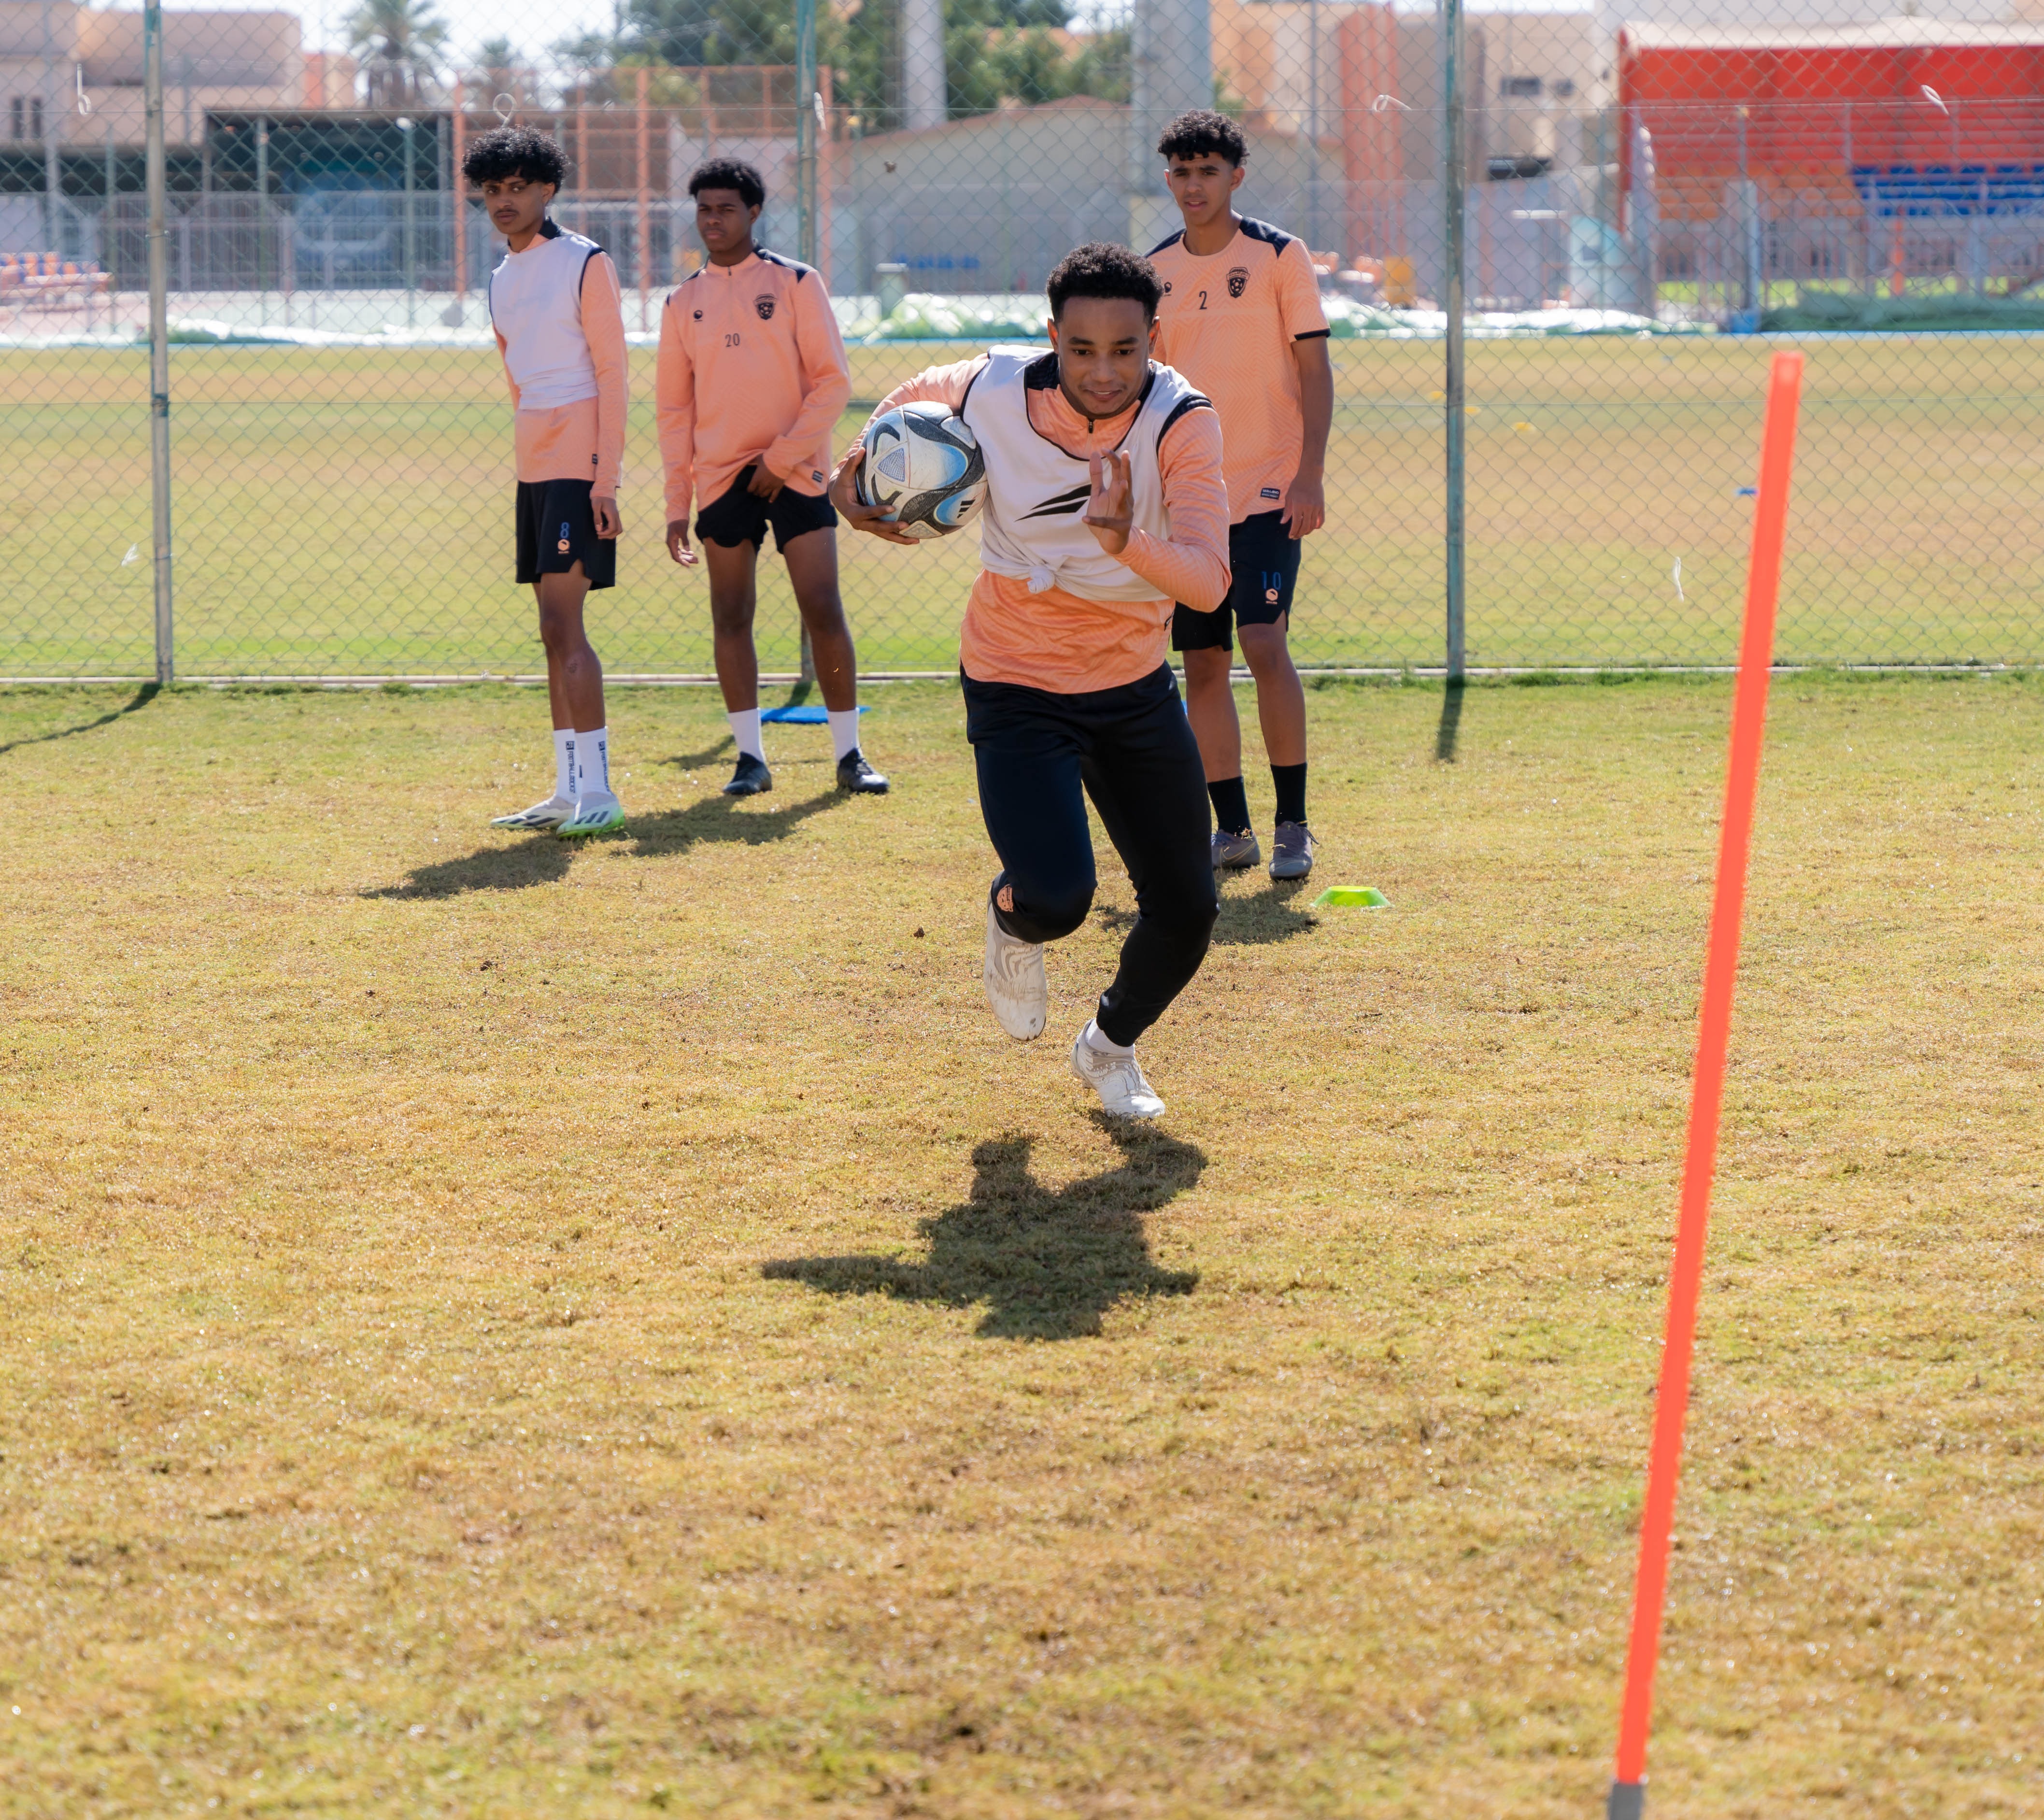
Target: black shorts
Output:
[
  {"x": 557, "y": 529},
  {"x": 1263, "y": 561},
  {"x": 742, "y": 517}
]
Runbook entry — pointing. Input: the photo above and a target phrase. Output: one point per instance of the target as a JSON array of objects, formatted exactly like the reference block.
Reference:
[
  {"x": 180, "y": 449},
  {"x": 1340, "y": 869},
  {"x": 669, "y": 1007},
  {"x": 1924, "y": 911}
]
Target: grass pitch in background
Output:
[
  {"x": 495, "y": 1329},
  {"x": 347, "y": 511}
]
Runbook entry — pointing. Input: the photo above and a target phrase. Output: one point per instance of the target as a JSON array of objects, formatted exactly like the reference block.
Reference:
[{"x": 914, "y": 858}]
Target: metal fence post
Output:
[
  {"x": 809, "y": 106},
  {"x": 160, "y": 339},
  {"x": 807, "y": 98},
  {"x": 1454, "y": 176}
]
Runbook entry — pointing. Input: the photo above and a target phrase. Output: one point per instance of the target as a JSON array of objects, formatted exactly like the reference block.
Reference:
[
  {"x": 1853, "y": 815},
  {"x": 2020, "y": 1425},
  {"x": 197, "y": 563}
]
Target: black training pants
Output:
[{"x": 1132, "y": 750}]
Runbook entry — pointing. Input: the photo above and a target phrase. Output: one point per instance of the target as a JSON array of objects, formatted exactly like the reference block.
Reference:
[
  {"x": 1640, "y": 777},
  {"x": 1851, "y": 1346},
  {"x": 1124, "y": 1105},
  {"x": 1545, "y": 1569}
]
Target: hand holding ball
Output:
[{"x": 923, "y": 468}]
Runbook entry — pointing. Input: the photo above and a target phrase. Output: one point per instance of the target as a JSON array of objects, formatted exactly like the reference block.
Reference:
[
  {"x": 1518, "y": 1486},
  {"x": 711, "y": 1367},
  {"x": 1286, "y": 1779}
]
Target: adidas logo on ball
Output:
[{"x": 924, "y": 465}]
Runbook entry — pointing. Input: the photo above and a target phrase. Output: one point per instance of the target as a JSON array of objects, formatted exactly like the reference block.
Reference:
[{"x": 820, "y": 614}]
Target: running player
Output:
[
  {"x": 1242, "y": 319},
  {"x": 1105, "y": 503},
  {"x": 752, "y": 377},
  {"x": 560, "y": 327}
]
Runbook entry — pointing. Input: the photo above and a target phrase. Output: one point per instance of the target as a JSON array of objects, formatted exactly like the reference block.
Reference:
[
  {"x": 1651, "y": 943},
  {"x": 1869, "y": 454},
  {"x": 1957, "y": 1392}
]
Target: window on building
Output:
[{"x": 1520, "y": 88}]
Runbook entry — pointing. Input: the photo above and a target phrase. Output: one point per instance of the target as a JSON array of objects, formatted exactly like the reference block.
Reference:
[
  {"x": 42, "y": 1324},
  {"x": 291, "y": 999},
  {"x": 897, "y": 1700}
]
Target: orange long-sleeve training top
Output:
[
  {"x": 559, "y": 321},
  {"x": 1059, "y": 641},
  {"x": 751, "y": 369}
]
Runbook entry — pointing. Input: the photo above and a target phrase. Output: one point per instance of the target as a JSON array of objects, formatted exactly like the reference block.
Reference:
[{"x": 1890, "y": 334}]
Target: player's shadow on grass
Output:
[
  {"x": 1047, "y": 1263},
  {"x": 722, "y": 818},
  {"x": 1247, "y": 921},
  {"x": 542, "y": 859},
  {"x": 144, "y": 695}
]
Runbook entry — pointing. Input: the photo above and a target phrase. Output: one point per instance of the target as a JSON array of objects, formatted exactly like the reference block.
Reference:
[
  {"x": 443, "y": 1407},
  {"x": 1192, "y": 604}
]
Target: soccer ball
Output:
[{"x": 924, "y": 465}]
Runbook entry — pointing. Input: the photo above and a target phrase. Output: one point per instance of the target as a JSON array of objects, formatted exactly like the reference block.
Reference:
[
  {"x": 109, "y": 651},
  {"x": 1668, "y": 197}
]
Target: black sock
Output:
[
  {"x": 1291, "y": 782},
  {"x": 1231, "y": 804}
]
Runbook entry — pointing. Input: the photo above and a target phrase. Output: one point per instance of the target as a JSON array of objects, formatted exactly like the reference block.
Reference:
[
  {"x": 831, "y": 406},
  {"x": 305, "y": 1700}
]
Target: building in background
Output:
[
  {"x": 70, "y": 78},
  {"x": 1547, "y": 75}
]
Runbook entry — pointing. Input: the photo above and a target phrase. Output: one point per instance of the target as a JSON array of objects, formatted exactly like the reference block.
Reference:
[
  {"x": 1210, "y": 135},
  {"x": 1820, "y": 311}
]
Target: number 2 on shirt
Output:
[{"x": 1203, "y": 300}]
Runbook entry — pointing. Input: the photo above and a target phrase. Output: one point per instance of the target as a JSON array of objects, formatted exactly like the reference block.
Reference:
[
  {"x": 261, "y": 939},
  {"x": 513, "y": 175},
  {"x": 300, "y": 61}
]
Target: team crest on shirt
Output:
[
  {"x": 1238, "y": 280},
  {"x": 765, "y": 306}
]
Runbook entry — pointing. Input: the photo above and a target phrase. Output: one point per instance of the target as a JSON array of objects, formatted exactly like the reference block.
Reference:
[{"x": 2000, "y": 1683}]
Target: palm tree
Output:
[
  {"x": 400, "y": 43},
  {"x": 496, "y": 70}
]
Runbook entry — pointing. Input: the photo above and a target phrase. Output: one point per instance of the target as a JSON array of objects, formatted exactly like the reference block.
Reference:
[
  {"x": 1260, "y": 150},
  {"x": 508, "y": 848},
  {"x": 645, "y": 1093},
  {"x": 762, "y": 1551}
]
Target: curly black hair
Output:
[
  {"x": 1201, "y": 131},
  {"x": 513, "y": 152},
  {"x": 730, "y": 174},
  {"x": 1101, "y": 269}
]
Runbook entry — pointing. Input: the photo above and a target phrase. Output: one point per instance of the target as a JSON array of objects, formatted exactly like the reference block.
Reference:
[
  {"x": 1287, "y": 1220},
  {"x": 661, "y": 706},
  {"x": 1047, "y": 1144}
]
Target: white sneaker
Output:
[
  {"x": 596, "y": 812},
  {"x": 1117, "y": 1079},
  {"x": 538, "y": 818},
  {"x": 1016, "y": 986}
]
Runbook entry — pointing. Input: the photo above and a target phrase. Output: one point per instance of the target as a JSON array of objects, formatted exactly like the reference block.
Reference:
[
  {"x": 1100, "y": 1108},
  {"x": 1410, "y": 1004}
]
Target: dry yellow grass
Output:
[{"x": 494, "y": 1331}]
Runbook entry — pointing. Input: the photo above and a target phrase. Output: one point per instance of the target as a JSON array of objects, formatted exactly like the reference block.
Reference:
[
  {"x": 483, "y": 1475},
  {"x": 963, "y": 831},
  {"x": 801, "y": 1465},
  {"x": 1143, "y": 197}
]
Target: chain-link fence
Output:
[{"x": 1642, "y": 190}]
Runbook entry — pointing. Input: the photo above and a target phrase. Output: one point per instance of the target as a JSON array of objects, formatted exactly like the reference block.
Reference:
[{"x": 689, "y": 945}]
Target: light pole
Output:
[{"x": 406, "y": 126}]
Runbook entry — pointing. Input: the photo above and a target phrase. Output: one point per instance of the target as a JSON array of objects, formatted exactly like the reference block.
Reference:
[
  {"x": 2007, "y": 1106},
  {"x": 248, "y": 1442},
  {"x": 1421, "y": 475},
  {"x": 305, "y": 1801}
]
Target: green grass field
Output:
[
  {"x": 493, "y": 1329},
  {"x": 348, "y": 511}
]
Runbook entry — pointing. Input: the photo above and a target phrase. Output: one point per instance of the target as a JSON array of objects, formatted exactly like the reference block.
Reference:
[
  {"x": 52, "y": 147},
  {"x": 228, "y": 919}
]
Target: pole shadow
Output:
[
  {"x": 542, "y": 859},
  {"x": 1450, "y": 730},
  {"x": 688, "y": 761},
  {"x": 1048, "y": 1264},
  {"x": 144, "y": 695},
  {"x": 797, "y": 694}
]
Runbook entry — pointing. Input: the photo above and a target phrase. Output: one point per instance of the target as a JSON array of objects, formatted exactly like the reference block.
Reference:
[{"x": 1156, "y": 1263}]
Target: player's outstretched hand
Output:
[
  {"x": 678, "y": 542},
  {"x": 608, "y": 523},
  {"x": 875, "y": 520},
  {"x": 1111, "y": 510},
  {"x": 1306, "y": 505},
  {"x": 765, "y": 483}
]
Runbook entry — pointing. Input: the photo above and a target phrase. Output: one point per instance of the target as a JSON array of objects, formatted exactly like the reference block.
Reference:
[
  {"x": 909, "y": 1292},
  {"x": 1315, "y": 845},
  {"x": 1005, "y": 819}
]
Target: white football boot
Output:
[
  {"x": 1016, "y": 986},
  {"x": 596, "y": 812},
  {"x": 1117, "y": 1079},
  {"x": 540, "y": 818}
]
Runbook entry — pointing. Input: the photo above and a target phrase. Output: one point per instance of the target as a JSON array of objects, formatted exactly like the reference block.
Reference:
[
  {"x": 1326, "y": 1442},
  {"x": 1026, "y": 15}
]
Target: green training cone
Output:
[{"x": 1352, "y": 897}]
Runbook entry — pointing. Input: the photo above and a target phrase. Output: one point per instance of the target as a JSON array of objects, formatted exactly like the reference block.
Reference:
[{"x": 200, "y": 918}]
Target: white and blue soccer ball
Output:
[{"x": 925, "y": 467}]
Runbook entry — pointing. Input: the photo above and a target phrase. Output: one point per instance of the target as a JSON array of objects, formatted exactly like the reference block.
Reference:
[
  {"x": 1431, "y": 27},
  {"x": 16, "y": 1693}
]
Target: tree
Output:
[
  {"x": 400, "y": 43},
  {"x": 495, "y": 71},
  {"x": 994, "y": 49}
]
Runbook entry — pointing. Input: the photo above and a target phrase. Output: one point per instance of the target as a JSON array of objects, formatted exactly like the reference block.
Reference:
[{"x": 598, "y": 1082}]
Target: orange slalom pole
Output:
[{"x": 1749, "y": 726}]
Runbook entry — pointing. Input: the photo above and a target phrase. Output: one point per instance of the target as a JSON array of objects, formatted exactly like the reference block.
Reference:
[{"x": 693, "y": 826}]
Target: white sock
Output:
[
  {"x": 564, "y": 744},
  {"x": 844, "y": 730},
  {"x": 593, "y": 761},
  {"x": 745, "y": 730},
  {"x": 1097, "y": 1042}
]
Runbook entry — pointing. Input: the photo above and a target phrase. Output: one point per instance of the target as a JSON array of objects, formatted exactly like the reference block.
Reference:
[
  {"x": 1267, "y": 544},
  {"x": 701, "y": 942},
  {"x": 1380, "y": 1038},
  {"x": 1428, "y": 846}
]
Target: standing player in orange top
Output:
[
  {"x": 1242, "y": 319},
  {"x": 752, "y": 377},
  {"x": 560, "y": 327}
]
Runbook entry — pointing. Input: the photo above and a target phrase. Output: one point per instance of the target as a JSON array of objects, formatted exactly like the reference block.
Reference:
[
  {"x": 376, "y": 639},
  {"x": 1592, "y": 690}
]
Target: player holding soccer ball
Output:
[
  {"x": 1104, "y": 504},
  {"x": 554, "y": 303},
  {"x": 1242, "y": 319},
  {"x": 752, "y": 377}
]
